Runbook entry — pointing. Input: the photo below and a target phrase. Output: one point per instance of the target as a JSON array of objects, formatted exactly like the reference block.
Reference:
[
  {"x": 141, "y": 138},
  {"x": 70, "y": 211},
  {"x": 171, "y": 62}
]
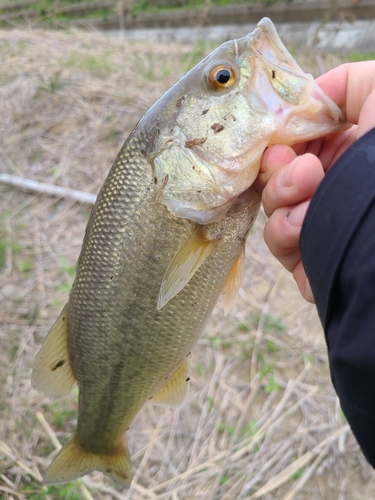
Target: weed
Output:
[
  {"x": 249, "y": 429},
  {"x": 296, "y": 475},
  {"x": 215, "y": 342},
  {"x": 61, "y": 412},
  {"x": 54, "y": 84},
  {"x": 66, "y": 266},
  {"x": 271, "y": 347},
  {"x": 98, "y": 64},
  {"x": 65, "y": 286},
  {"x": 228, "y": 428},
  {"x": 224, "y": 479},
  {"x": 243, "y": 327},
  {"x": 270, "y": 384},
  {"x": 4, "y": 244},
  {"x": 198, "y": 51},
  {"x": 25, "y": 266},
  {"x": 210, "y": 402},
  {"x": 65, "y": 492},
  {"x": 361, "y": 56}
]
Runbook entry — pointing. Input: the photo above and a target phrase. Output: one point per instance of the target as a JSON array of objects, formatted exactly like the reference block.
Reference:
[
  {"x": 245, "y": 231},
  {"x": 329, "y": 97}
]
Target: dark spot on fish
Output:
[
  {"x": 188, "y": 354},
  {"x": 58, "y": 364},
  {"x": 273, "y": 73},
  {"x": 187, "y": 380},
  {"x": 63, "y": 318},
  {"x": 155, "y": 180},
  {"x": 195, "y": 142},
  {"x": 143, "y": 152},
  {"x": 217, "y": 127},
  {"x": 180, "y": 101},
  {"x": 199, "y": 191},
  {"x": 193, "y": 167},
  {"x": 166, "y": 378},
  {"x": 108, "y": 471},
  {"x": 205, "y": 111},
  {"x": 233, "y": 118},
  {"x": 111, "y": 277}
]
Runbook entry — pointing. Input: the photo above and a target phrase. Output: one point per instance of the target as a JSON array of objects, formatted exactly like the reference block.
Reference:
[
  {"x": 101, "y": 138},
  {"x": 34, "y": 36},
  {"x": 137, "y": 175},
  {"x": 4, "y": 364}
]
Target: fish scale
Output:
[{"x": 166, "y": 237}]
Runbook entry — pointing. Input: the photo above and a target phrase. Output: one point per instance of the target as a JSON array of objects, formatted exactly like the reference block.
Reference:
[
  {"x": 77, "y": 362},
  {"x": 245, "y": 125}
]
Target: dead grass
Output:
[{"x": 261, "y": 419}]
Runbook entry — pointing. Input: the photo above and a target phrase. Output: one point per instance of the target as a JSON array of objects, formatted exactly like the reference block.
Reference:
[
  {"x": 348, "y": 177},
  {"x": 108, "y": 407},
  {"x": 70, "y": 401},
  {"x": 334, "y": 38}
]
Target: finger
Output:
[
  {"x": 303, "y": 283},
  {"x": 350, "y": 86},
  {"x": 282, "y": 233},
  {"x": 312, "y": 147},
  {"x": 273, "y": 159},
  {"x": 366, "y": 120},
  {"x": 335, "y": 144},
  {"x": 293, "y": 183}
]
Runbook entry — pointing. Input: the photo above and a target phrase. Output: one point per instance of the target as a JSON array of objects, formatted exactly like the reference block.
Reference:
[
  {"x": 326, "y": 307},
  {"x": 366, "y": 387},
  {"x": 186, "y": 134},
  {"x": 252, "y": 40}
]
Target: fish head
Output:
[{"x": 215, "y": 123}]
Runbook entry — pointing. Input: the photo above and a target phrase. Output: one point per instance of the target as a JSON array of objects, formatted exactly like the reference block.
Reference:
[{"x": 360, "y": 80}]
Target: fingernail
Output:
[
  {"x": 285, "y": 177},
  {"x": 297, "y": 214}
]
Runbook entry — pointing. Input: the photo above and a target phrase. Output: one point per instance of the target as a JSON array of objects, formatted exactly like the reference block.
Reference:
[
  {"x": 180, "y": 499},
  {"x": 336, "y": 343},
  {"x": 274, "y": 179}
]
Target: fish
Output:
[{"x": 166, "y": 238}]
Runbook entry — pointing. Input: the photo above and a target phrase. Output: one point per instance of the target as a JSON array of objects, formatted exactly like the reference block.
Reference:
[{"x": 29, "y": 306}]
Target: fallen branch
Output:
[{"x": 50, "y": 189}]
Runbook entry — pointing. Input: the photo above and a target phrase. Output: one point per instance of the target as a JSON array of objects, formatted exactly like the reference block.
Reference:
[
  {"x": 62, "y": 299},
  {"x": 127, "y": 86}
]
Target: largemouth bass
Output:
[{"x": 166, "y": 236}]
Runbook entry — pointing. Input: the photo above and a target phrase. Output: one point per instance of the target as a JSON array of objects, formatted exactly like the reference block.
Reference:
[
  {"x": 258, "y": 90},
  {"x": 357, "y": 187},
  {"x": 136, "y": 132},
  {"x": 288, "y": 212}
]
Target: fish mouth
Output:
[{"x": 289, "y": 93}]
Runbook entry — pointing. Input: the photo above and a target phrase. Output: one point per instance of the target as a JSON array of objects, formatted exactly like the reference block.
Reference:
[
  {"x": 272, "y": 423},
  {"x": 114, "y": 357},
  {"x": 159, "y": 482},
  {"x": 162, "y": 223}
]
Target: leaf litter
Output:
[{"x": 261, "y": 419}]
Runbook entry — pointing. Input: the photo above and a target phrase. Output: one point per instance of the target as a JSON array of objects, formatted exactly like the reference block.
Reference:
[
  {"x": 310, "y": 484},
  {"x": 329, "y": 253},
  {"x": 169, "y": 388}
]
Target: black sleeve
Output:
[{"x": 338, "y": 252}]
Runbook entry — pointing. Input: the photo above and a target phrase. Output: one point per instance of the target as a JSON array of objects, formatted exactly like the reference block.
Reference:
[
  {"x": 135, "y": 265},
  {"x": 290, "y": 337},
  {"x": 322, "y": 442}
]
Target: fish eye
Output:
[{"x": 221, "y": 77}]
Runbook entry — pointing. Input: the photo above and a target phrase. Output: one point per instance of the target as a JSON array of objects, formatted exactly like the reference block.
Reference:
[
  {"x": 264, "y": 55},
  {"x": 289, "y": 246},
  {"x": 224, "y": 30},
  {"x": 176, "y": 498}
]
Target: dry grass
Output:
[{"x": 261, "y": 419}]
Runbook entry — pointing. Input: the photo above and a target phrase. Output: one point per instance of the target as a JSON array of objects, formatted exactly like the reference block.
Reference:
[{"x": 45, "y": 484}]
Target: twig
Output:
[
  {"x": 49, "y": 431},
  {"x": 50, "y": 189},
  {"x": 259, "y": 333},
  {"x": 294, "y": 467},
  {"x": 6, "y": 450}
]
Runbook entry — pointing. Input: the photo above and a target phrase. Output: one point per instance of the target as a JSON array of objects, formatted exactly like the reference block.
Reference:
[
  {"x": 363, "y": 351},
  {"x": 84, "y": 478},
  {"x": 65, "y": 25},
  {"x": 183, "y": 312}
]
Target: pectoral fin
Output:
[
  {"x": 233, "y": 282},
  {"x": 52, "y": 374},
  {"x": 184, "y": 265},
  {"x": 73, "y": 461},
  {"x": 174, "y": 392}
]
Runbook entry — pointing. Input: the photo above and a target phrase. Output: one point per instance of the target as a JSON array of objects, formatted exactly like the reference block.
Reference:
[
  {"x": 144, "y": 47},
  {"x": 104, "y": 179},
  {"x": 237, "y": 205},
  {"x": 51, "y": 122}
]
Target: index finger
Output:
[{"x": 352, "y": 87}]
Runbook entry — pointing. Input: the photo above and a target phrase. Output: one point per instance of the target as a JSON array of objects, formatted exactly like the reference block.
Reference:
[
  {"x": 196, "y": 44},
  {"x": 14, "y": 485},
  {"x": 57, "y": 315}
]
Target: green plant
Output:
[
  {"x": 361, "y": 56},
  {"x": 54, "y": 84},
  {"x": 61, "y": 412}
]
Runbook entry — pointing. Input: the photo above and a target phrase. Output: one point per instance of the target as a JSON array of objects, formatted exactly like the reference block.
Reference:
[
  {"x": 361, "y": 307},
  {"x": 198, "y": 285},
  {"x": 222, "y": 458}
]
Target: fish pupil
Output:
[{"x": 223, "y": 76}]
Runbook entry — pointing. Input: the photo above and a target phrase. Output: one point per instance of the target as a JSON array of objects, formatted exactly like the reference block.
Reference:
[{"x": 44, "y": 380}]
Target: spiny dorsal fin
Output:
[
  {"x": 73, "y": 461},
  {"x": 52, "y": 374},
  {"x": 184, "y": 265},
  {"x": 233, "y": 282},
  {"x": 174, "y": 392}
]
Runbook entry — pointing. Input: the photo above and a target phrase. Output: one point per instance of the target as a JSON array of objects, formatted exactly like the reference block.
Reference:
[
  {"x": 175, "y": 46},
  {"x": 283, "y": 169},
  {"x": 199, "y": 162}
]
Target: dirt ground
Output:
[{"x": 261, "y": 419}]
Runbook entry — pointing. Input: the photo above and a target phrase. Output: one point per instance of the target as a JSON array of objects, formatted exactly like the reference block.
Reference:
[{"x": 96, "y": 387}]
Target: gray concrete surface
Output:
[{"x": 345, "y": 36}]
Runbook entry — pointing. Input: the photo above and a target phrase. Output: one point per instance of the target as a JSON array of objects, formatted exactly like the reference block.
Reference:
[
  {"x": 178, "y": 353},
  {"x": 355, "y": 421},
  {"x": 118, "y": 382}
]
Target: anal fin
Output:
[
  {"x": 52, "y": 374},
  {"x": 184, "y": 265},
  {"x": 174, "y": 392},
  {"x": 73, "y": 461},
  {"x": 233, "y": 282}
]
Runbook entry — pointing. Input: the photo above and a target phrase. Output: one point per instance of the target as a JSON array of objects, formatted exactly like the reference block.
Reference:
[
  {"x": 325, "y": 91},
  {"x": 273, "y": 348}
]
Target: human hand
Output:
[{"x": 289, "y": 177}]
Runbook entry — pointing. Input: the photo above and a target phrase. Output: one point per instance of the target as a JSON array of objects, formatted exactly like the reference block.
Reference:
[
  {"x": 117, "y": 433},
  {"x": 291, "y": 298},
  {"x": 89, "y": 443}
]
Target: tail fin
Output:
[{"x": 73, "y": 461}]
